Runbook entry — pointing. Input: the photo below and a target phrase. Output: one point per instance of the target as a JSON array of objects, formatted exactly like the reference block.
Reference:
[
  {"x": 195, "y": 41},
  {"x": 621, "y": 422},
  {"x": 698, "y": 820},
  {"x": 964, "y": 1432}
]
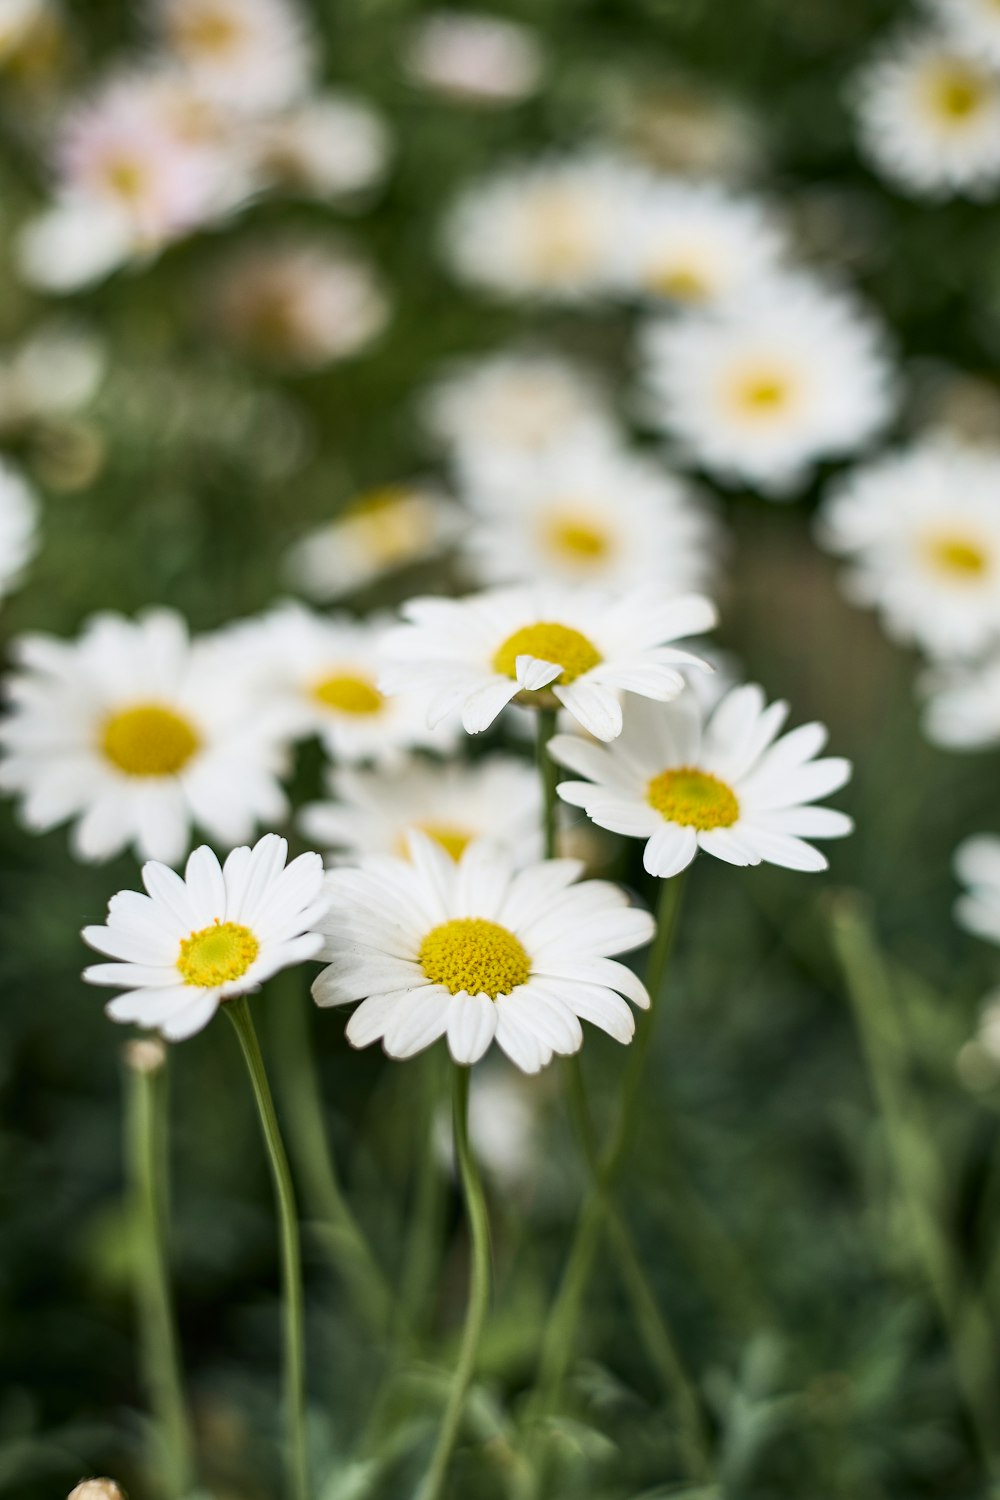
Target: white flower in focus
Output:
[
  {"x": 519, "y": 403},
  {"x": 725, "y": 784},
  {"x": 696, "y": 243},
  {"x": 928, "y": 116},
  {"x": 379, "y": 532},
  {"x": 251, "y": 55},
  {"x": 191, "y": 944},
  {"x": 548, "y": 646},
  {"x": 478, "y": 952},
  {"x": 474, "y": 58},
  {"x": 329, "y": 146},
  {"x": 135, "y": 732},
  {"x": 962, "y": 709},
  {"x": 587, "y": 512},
  {"x": 316, "y": 674},
  {"x": 760, "y": 389},
  {"x": 974, "y": 25},
  {"x": 18, "y": 527},
  {"x": 454, "y": 803},
  {"x": 298, "y": 304},
  {"x": 921, "y": 532},
  {"x": 547, "y": 230}
]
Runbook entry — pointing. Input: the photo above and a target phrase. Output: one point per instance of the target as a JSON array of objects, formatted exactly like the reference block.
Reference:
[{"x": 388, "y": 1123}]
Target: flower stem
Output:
[
  {"x": 549, "y": 772},
  {"x": 479, "y": 1291},
  {"x": 147, "y": 1164},
  {"x": 238, "y": 1012}
]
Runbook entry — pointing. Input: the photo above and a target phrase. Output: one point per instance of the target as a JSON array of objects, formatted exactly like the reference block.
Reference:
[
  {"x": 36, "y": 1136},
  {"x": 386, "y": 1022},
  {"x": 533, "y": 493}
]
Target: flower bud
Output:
[
  {"x": 97, "y": 1489},
  {"x": 142, "y": 1056}
]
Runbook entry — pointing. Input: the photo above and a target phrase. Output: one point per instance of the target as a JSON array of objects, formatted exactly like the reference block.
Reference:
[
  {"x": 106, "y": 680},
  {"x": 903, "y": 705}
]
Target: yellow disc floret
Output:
[
  {"x": 217, "y": 955},
  {"x": 682, "y": 283},
  {"x": 472, "y": 954},
  {"x": 148, "y": 740},
  {"x": 577, "y": 538},
  {"x": 348, "y": 693},
  {"x": 694, "y": 798},
  {"x": 549, "y": 642},
  {"x": 762, "y": 393},
  {"x": 960, "y": 558},
  {"x": 453, "y": 839},
  {"x": 957, "y": 92}
]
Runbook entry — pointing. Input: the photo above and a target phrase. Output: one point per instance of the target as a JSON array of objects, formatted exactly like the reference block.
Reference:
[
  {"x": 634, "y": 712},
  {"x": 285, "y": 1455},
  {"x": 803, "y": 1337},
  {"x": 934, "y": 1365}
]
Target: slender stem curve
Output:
[
  {"x": 238, "y": 1012},
  {"x": 549, "y": 773}
]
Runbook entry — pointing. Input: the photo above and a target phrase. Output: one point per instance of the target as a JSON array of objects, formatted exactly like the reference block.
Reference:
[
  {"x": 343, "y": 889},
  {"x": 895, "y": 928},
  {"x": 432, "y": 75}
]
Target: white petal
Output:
[
  {"x": 670, "y": 849},
  {"x": 532, "y": 673},
  {"x": 472, "y": 1022},
  {"x": 593, "y": 706},
  {"x": 203, "y": 876},
  {"x": 192, "y": 1018},
  {"x": 417, "y": 1023}
]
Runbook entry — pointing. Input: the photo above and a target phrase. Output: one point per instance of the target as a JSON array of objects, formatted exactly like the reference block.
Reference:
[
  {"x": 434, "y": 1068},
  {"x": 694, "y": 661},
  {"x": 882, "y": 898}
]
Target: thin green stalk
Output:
[
  {"x": 549, "y": 773},
  {"x": 965, "y": 1323},
  {"x": 147, "y": 1167},
  {"x": 479, "y": 1292},
  {"x": 238, "y": 1012},
  {"x": 335, "y": 1225},
  {"x": 424, "y": 1237}
]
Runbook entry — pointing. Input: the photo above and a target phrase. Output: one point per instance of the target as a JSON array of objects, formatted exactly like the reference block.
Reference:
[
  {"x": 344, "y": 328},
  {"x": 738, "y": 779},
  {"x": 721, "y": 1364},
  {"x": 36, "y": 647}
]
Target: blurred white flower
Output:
[
  {"x": 317, "y": 674},
  {"x": 135, "y": 732},
  {"x": 548, "y": 646},
  {"x": 18, "y": 527},
  {"x": 251, "y": 55},
  {"x": 378, "y": 533},
  {"x": 695, "y": 242},
  {"x": 55, "y": 371},
  {"x": 758, "y": 390},
  {"x": 298, "y": 303},
  {"x": 516, "y": 402},
  {"x": 478, "y": 952},
  {"x": 503, "y": 1126},
  {"x": 977, "y": 866},
  {"x": 72, "y": 245},
  {"x": 18, "y": 19},
  {"x": 474, "y": 57},
  {"x": 679, "y": 126},
  {"x": 191, "y": 944},
  {"x": 588, "y": 512},
  {"x": 548, "y": 229},
  {"x": 921, "y": 531},
  {"x": 454, "y": 803},
  {"x": 725, "y": 783},
  {"x": 962, "y": 710},
  {"x": 928, "y": 117},
  {"x": 329, "y": 146},
  {"x": 974, "y": 25}
]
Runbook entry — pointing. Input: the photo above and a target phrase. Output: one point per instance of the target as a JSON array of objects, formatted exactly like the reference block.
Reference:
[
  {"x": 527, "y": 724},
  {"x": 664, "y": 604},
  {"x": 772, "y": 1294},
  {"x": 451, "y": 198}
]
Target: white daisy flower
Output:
[
  {"x": 71, "y": 245},
  {"x": 135, "y": 732},
  {"x": 962, "y": 710},
  {"x": 921, "y": 531},
  {"x": 724, "y": 783},
  {"x": 696, "y": 242},
  {"x": 252, "y": 55},
  {"x": 316, "y": 674},
  {"x": 544, "y": 647},
  {"x": 977, "y": 866},
  {"x": 974, "y": 25},
  {"x": 758, "y": 390},
  {"x": 18, "y": 527},
  {"x": 474, "y": 58},
  {"x": 478, "y": 952},
  {"x": 329, "y": 146},
  {"x": 377, "y": 533},
  {"x": 928, "y": 117},
  {"x": 191, "y": 944},
  {"x": 454, "y": 803},
  {"x": 587, "y": 512},
  {"x": 53, "y": 373},
  {"x": 549, "y": 229},
  {"x": 519, "y": 402}
]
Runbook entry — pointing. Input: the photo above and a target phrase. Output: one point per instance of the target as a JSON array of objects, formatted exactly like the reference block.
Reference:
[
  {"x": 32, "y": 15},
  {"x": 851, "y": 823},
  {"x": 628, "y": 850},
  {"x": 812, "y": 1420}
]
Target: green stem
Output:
[
  {"x": 479, "y": 1292},
  {"x": 335, "y": 1225},
  {"x": 549, "y": 773},
  {"x": 238, "y": 1012},
  {"x": 425, "y": 1233},
  {"x": 147, "y": 1162},
  {"x": 964, "y": 1321}
]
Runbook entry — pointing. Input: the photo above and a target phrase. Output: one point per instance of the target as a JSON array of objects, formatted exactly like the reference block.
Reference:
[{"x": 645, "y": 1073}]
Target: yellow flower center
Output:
[
  {"x": 682, "y": 283},
  {"x": 217, "y": 954},
  {"x": 395, "y": 522},
  {"x": 348, "y": 693},
  {"x": 453, "y": 839},
  {"x": 472, "y": 954},
  {"x": 574, "y": 537},
  {"x": 956, "y": 92},
  {"x": 549, "y": 642},
  {"x": 960, "y": 558},
  {"x": 696, "y": 799},
  {"x": 561, "y": 236},
  {"x": 761, "y": 393},
  {"x": 126, "y": 176},
  {"x": 210, "y": 32},
  {"x": 148, "y": 740}
]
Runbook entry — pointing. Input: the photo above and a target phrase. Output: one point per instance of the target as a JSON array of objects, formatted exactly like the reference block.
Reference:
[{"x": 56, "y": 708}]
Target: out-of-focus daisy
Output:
[
  {"x": 379, "y": 532},
  {"x": 54, "y": 372},
  {"x": 252, "y": 55},
  {"x": 474, "y": 58},
  {"x": 975, "y": 26},
  {"x": 548, "y": 646},
  {"x": 727, "y": 785},
  {"x": 18, "y": 527},
  {"x": 319, "y": 675},
  {"x": 962, "y": 709},
  {"x": 135, "y": 732},
  {"x": 588, "y": 512},
  {"x": 191, "y": 944},
  {"x": 680, "y": 127},
  {"x": 71, "y": 245},
  {"x": 929, "y": 117},
  {"x": 549, "y": 229},
  {"x": 761, "y": 388},
  {"x": 18, "y": 19},
  {"x": 298, "y": 303},
  {"x": 504, "y": 1127},
  {"x": 921, "y": 531},
  {"x": 696, "y": 242},
  {"x": 519, "y": 402},
  {"x": 977, "y": 865},
  {"x": 476, "y": 952},
  {"x": 372, "y": 812},
  {"x": 329, "y": 146}
]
